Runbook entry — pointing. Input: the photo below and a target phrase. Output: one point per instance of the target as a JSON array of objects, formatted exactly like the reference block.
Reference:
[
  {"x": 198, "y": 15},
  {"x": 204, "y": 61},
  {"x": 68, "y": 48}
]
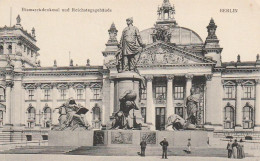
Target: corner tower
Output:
[
  {"x": 211, "y": 46},
  {"x": 17, "y": 46}
]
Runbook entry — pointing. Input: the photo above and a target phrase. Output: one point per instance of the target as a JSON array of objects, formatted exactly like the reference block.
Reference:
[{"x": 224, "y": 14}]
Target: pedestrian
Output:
[
  {"x": 143, "y": 146},
  {"x": 164, "y": 145},
  {"x": 189, "y": 146},
  {"x": 240, "y": 150},
  {"x": 229, "y": 148},
  {"x": 234, "y": 149}
]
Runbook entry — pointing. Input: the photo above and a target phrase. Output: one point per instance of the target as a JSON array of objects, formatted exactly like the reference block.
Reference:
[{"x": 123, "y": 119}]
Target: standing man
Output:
[
  {"x": 164, "y": 145},
  {"x": 143, "y": 146},
  {"x": 128, "y": 46},
  {"x": 229, "y": 148}
]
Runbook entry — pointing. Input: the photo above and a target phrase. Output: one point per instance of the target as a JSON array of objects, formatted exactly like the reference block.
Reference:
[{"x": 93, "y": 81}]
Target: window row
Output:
[
  {"x": 63, "y": 94},
  {"x": 248, "y": 92},
  {"x": 161, "y": 93},
  {"x": 9, "y": 49},
  {"x": 229, "y": 117}
]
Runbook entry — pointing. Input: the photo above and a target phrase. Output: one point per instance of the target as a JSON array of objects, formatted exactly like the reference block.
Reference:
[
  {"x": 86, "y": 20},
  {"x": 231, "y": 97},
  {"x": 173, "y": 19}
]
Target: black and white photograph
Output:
[{"x": 129, "y": 80}]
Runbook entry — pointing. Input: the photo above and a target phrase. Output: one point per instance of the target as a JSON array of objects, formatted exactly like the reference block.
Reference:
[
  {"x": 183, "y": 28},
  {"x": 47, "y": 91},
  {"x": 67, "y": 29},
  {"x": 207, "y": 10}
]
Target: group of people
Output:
[
  {"x": 236, "y": 149},
  {"x": 164, "y": 143}
]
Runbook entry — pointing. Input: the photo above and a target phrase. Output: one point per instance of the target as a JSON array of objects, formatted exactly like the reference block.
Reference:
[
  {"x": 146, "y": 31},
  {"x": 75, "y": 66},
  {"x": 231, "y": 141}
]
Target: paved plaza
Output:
[{"x": 46, "y": 157}]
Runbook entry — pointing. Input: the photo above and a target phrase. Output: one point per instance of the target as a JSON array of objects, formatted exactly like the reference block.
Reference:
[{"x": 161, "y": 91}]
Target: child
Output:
[{"x": 189, "y": 146}]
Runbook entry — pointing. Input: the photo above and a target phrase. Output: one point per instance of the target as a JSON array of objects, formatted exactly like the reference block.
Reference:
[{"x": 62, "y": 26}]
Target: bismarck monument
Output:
[{"x": 128, "y": 82}]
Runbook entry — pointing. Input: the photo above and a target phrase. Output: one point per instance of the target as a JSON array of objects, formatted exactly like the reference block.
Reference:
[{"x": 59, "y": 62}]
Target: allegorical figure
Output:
[
  {"x": 129, "y": 47},
  {"x": 192, "y": 107}
]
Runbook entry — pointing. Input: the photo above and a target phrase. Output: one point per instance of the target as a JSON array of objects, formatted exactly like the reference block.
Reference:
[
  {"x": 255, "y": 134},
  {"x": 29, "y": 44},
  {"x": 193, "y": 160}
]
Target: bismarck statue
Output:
[
  {"x": 71, "y": 117},
  {"x": 128, "y": 47}
]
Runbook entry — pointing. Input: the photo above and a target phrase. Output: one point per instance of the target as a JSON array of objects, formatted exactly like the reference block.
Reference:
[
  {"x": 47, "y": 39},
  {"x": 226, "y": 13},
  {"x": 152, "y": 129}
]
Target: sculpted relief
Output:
[{"x": 161, "y": 56}]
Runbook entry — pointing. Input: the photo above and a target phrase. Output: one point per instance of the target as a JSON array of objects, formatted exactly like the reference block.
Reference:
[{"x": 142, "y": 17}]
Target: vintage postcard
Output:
[{"x": 129, "y": 80}]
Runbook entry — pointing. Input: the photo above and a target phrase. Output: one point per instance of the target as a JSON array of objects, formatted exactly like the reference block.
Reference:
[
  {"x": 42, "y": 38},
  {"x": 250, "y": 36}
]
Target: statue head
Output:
[
  {"x": 192, "y": 91},
  {"x": 129, "y": 21}
]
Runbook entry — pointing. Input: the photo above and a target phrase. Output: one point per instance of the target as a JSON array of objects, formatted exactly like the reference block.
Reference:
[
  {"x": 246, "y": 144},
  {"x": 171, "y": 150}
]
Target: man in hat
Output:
[
  {"x": 143, "y": 146},
  {"x": 164, "y": 145},
  {"x": 129, "y": 47}
]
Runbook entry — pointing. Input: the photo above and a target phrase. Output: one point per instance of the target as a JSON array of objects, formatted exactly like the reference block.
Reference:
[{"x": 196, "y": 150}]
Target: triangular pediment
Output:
[{"x": 161, "y": 53}]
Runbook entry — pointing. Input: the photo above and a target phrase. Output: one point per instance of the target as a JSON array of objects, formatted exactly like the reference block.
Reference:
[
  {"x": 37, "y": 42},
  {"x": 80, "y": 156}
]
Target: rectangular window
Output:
[
  {"x": 31, "y": 94},
  {"x": 96, "y": 92},
  {"x": 63, "y": 94},
  {"x": 178, "y": 92},
  {"x": 46, "y": 94},
  {"x": 160, "y": 92},
  {"x": 143, "y": 113},
  {"x": 248, "y": 92},
  {"x": 143, "y": 94},
  {"x": 229, "y": 91},
  {"x": 79, "y": 93}
]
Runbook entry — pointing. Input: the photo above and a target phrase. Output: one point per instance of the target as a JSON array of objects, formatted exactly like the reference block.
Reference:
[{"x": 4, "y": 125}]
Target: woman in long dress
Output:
[
  {"x": 242, "y": 152},
  {"x": 234, "y": 149}
]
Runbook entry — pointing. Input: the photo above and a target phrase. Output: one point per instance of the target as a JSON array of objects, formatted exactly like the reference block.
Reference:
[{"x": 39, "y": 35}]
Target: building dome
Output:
[{"x": 179, "y": 36}]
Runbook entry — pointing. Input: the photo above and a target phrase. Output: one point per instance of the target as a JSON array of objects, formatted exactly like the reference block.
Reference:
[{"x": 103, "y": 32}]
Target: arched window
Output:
[
  {"x": 229, "y": 117},
  {"x": 1, "y": 117},
  {"x": 247, "y": 117},
  {"x": 47, "y": 116},
  {"x": 31, "y": 113},
  {"x": 96, "y": 116},
  {"x": 10, "y": 49},
  {"x": 1, "y": 49},
  {"x": 2, "y": 94}
]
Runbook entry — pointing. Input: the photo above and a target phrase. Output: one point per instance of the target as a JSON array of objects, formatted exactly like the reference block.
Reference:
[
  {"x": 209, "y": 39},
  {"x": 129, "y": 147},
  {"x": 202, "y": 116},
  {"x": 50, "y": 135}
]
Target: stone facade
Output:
[{"x": 229, "y": 92}]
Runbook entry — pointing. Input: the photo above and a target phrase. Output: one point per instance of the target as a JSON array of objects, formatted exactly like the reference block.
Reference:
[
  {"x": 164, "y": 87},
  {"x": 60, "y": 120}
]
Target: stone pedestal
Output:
[{"x": 127, "y": 80}]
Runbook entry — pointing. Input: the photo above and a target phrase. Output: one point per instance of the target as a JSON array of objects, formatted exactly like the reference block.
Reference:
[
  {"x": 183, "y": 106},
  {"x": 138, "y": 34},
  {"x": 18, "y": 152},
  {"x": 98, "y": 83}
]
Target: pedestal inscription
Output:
[{"x": 99, "y": 137}]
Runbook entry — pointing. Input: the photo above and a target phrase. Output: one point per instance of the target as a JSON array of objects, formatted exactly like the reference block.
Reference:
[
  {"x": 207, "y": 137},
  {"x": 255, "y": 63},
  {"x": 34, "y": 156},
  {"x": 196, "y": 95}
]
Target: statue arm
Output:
[{"x": 139, "y": 39}]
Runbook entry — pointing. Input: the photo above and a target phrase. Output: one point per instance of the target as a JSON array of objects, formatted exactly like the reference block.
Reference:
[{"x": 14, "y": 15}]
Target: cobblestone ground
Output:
[{"x": 46, "y": 157}]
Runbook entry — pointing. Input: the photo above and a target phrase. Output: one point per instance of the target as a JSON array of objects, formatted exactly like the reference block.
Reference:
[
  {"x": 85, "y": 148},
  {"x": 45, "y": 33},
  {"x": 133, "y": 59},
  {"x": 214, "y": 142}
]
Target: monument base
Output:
[
  {"x": 71, "y": 138},
  {"x": 127, "y": 138}
]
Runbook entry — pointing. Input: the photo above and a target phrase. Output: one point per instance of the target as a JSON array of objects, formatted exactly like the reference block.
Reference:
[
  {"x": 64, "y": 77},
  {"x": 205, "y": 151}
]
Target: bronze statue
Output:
[
  {"x": 122, "y": 119},
  {"x": 128, "y": 47},
  {"x": 192, "y": 107},
  {"x": 71, "y": 116}
]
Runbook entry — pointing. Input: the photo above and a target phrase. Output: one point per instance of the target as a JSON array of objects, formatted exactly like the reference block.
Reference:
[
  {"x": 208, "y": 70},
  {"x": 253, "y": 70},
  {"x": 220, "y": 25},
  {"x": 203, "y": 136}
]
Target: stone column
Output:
[
  {"x": 150, "y": 109},
  {"x": 257, "y": 107},
  {"x": 38, "y": 104},
  {"x": 238, "y": 110},
  {"x": 209, "y": 101},
  {"x": 170, "y": 108},
  {"x": 71, "y": 90},
  {"x": 16, "y": 102},
  {"x": 188, "y": 83},
  {"x": 112, "y": 95},
  {"x": 8, "y": 112},
  {"x": 23, "y": 110},
  {"x": 87, "y": 102},
  {"x": 55, "y": 114},
  {"x": 5, "y": 48}
]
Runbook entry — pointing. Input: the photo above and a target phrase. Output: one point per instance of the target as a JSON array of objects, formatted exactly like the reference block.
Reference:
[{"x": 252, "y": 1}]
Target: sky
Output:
[{"x": 85, "y": 34}]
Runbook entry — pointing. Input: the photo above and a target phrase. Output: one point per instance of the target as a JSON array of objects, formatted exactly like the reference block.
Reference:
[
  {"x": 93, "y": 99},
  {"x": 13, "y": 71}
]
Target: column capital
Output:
[
  {"x": 189, "y": 76},
  {"x": 87, "y": 84},
  {"x": 257, "y": 81},
  {"x": 9, "y": 84},
  {"x": 111, "y": 81},
  {"x": 54, "y": 85},
  {"x": 38, "y": 85},
  {"x": 149, "y": 78},
  {"x": 170, "y": 77},
  {"x": 239, "y": 82},
  {"x": 208, "y": 77},
  {"x": 70, "y": 84}
]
